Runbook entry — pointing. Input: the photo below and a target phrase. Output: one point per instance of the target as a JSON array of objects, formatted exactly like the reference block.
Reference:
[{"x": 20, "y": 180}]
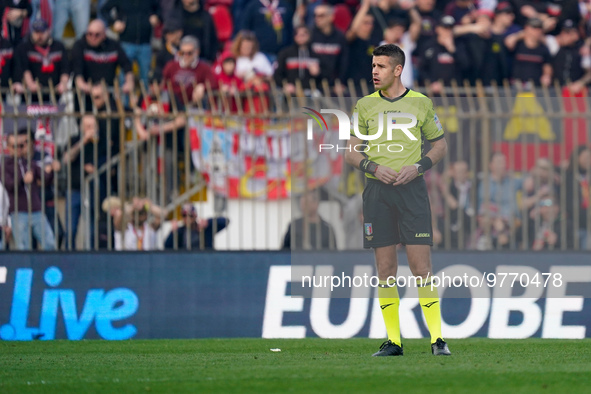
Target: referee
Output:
[{"x": 395, "y": 201}]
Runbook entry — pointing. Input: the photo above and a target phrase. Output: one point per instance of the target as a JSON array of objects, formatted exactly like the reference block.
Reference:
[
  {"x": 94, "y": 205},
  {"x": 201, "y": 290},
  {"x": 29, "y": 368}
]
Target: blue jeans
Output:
[
  {"x": 142, "y": 54},
  {"x": 39, "y": 225},
  {"x": 77, "y": 10},
  {"x": 74, "y": 210}
]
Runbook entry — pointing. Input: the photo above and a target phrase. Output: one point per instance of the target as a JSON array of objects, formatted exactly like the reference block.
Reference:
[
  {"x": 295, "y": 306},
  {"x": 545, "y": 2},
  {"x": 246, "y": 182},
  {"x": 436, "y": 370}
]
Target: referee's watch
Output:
[{"x": 419, "y": 168}]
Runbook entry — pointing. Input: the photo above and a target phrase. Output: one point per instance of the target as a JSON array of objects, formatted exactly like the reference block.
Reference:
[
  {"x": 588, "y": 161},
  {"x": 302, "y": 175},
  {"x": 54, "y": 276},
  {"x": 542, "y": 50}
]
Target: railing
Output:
[{"x": 243, "y": 156}]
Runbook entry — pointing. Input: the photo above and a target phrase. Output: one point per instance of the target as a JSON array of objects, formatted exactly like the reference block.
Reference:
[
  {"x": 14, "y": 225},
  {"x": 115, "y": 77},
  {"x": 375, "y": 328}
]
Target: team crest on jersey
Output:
[
  {"x": 368, "y": 229},
  {"x": 437, "y": 122}
]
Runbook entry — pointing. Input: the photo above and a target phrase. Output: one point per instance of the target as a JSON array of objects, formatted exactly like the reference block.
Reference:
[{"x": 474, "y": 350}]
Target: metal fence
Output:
[{"x": 109, "y": 171}]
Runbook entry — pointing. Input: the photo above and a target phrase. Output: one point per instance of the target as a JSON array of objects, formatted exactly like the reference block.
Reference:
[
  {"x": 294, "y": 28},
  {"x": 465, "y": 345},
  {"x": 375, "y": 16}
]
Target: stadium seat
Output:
[
  {"x": 342, "y": 17},
  {"x": 222, "y": 18}
]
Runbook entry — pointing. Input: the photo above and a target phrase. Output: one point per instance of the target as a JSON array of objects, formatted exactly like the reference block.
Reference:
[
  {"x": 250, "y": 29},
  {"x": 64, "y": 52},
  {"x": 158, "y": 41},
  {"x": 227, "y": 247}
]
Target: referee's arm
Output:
[
  {"x": 436, "y": 153},
  {"x": 354, "y": 158}
]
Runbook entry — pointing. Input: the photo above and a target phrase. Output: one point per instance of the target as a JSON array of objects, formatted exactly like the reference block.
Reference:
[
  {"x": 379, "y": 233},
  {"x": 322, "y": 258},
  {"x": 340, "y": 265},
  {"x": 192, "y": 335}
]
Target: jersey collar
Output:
[{"x": 395, "y": 98}]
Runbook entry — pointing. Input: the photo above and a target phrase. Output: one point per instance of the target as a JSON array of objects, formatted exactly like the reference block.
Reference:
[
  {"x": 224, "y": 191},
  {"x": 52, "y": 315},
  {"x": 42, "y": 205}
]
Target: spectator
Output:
[
  {"x": 393, "y": 9},
  {"x": 543, "y": 182},
  {"x": 228, "y": 81},
  {"x": 6, "y": 62},
  {"x": 105, "y": 139},
  {"x": 472, "y": 36},
  {"x": 496, "y": 66},
  {"x": 196, "y": 22},
  {"x": 96, "y": 58},
  {"x": 502, "y": 189},
  {"x": 15, "y": 19},
  {"x": 78, "y": 11},
  {"x": 430, "y": 17},
  {"x": 172, "y": 38},
  {"x": 571, "y": 59},
  {"x": 544, "y": 225},
  {"x": 134, "y": 229},
  {"x": 443, "y": 61},
  {"x": 457, "y": 194},
  {"x": 134, "y": 20},
  {"x": 188, "y": 73},
  {"x": 252, "y": 66},
  {"x": 360, "y": 46},
  {"x": 5, "y": 228},
  {"x": 578, "y": 195},
  {"x": 463, "y": 11},
  {"x": 406, "y": 40},
  {"x": 154, "y": 126},
  {"x": 317, "y": 234},
  {"x": 39, "y": 60},
  {"x": 531, "y": 58},
  {"x": 26, "y": 184},
  {"x": 528, "y": 9},
  {"x": 271, "y": 22},
  {"x": 199, "y": 232},
  {"x": 330, "y": 46},
  {"x": 297, "y": 63},
  {"x": 493, "y": 231},
  {"x": 75, "y": 159}
]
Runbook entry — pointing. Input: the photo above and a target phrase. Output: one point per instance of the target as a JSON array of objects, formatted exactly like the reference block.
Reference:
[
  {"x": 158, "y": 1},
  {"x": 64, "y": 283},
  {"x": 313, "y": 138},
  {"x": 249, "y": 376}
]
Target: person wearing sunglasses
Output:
[
  {"x": 95, "y": 58},
  {"x": 188, "y": 73}
]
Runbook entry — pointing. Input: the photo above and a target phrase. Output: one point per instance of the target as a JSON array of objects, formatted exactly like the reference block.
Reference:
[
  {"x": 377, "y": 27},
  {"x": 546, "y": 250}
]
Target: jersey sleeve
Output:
[
  {"x": 361, "y": 122},
  {"x": 431, "y": 129}
]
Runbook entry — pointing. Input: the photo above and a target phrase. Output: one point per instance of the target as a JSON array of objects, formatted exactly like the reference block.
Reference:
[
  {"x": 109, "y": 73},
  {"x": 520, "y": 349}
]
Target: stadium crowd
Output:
[{"x": 247, "y": 45}]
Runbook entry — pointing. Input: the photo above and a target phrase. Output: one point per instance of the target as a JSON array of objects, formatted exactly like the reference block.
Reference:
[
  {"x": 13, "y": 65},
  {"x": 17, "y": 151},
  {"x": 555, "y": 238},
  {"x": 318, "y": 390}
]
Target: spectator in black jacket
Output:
[
  {"x": 172, "y": 33},
  {"x": 569, "y": 65},
  {"x": 15, "y": 15},
  {"x": 201, "y": 233},
  {"x": 40, "y": 59},
  {"x": 297, "y": 63},
  {"x": 330, "y": 46},
  {"x": 443, "y": 59},
  {"x": 531, "y": 57},
  {"x": 134, "y": 20},
  {"x": 196, "y": 22},
  {"x": 96, "y": 57},
  {"x": 271, "y": 22}
]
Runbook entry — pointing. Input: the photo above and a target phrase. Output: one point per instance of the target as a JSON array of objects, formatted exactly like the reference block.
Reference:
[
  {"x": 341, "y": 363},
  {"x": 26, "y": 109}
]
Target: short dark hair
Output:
[{"x": 393, "y": 51}]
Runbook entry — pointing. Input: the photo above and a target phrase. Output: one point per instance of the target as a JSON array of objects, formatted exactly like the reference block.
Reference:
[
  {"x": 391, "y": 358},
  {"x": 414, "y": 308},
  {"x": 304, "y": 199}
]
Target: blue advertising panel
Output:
[{"x": 117, "y": 296}]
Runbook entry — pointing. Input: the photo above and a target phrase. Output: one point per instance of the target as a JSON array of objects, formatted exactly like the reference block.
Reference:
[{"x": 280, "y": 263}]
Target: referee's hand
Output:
[
  {"x": 386, "y": 174},
  {"x": 406, "y": 174}
]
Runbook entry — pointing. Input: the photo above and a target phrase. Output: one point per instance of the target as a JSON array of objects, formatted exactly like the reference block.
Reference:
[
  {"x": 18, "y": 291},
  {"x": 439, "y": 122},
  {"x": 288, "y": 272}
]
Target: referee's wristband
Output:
[
  {"x": 426, "y": 163},
  {"x": 368, "y": 166}
]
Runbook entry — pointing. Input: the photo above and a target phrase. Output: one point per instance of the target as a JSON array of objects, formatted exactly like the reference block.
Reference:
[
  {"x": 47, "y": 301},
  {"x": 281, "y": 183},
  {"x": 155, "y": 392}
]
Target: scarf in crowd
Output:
[{"x": 274, "y": 16}]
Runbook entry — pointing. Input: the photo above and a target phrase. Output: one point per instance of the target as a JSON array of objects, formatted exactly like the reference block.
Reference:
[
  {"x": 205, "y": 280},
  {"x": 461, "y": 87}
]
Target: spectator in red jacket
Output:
[{"x": 188, "y": 73}]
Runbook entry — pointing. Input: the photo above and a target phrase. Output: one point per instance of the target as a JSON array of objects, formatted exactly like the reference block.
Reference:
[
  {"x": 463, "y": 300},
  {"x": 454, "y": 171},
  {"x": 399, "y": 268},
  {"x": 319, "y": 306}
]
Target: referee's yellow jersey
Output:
[{"x": 411, "y": 115}]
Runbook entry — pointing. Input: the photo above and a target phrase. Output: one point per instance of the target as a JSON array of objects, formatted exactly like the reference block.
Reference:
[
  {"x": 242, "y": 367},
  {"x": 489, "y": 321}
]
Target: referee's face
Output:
[{"x": 384, "y": 72}]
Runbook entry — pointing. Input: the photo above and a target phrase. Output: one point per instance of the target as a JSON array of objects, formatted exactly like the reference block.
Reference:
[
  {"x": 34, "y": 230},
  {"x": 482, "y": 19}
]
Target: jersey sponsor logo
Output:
[
  {"x": 429, "y": 305},
  {"x": 326, "y": 49},
  {"x": 385, "y": 306},
  {"x": 108, "y": 57},
  {"x": 422, "y": 235},
  {"x": 437, "y": 121},
  {"x": 524, "y": 57}
]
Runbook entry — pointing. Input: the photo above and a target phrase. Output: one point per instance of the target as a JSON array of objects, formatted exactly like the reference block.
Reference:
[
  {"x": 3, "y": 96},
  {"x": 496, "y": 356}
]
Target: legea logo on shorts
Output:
[{"x": 393, "y": 123}]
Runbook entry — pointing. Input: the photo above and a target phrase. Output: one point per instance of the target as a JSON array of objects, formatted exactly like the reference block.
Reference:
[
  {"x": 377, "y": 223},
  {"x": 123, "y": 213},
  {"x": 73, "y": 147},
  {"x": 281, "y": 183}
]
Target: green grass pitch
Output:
[{"x": 303, "y": 365}]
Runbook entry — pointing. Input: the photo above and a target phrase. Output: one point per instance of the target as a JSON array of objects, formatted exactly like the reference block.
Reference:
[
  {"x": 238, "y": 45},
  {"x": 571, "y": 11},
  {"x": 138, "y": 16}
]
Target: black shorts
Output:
[{"x": 396, "y": 214}]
